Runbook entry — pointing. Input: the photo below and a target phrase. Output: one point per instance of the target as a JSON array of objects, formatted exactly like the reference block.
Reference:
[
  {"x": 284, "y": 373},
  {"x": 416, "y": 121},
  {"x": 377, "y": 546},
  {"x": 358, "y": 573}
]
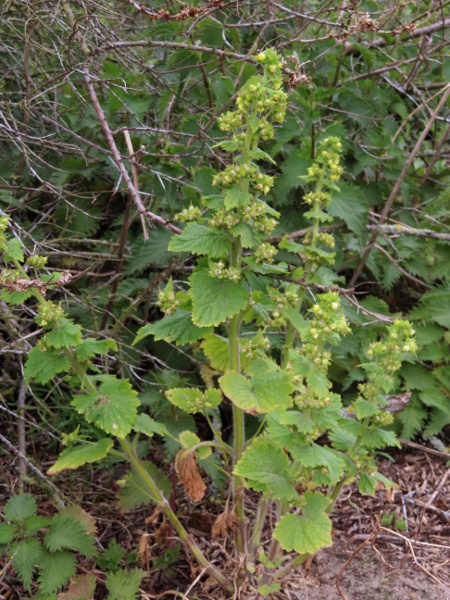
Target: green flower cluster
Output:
[
  {"x": 221, "y": 271},
  {"x": 49, "y": 313}
]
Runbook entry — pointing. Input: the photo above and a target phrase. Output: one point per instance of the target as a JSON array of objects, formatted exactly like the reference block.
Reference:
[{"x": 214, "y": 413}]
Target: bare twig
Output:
[{"x": 397, "y": 185}]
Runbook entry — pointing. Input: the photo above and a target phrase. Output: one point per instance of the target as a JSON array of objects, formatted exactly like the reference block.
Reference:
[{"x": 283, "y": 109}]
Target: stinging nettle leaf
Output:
[
  {"x": 19, "y": 507},
  {"x": 66, "y": 533},
  {"x": 124, "y": 585},
  {"x": 56, "y": 568},
  {"x": 215, "y": 300},
  {"x": 91, "y": 347},
  {"x": 25, "y": 555}
]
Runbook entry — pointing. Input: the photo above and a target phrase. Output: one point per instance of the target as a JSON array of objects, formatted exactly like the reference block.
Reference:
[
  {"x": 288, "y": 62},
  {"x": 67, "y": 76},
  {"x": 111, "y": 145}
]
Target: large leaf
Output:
[
  {"x": 19, "y": 507},
  {"x": 74, "y": 457},
  {"x": 265, "y": 466},
  {"x": 350, "y": 205},
  {"x": 113, "y": 409},
  {"x": 177, "y": 328},
  {"x": 198, "y": 239},
  {"x": 308, "y": 532},
  {"x": 25, "y": 556},
  {"x": 266, "y": 390},
  {"x": 56, "y": 570},
  {"x": 43, "y": 365},
  {"x": 215, "y": 300},
  {"x": 67, "y": 533},
  {"x": 193, "y": 400},
  {"x": 124, "y": 585},
  {"x": 64, "y": 334}
]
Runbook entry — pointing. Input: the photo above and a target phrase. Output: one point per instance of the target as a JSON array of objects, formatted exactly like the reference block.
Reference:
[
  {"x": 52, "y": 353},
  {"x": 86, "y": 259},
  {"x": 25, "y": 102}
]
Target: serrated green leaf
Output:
[
  {"x": 318, "y": 382},
  {"x": 74, "y": 457},
  {"x": 434, "y": 397},
  {"x": 227, "y": 145},
  {"x": 6, "y": 533},
  {"x": 15, "y": 298},
  {"x": 438, "y": 420},
  {"x": 265, "y": 391},
  {"x": 134, "y": 492},
  {"x": 193, "y": 400},
  {"x": 43, "y": 365},
  {"x": 198, "y": 239},
  {"x": 319, "y": 456},
  {"x": 67, "y": 534},
  {"x": 111, "y": 556},
  {"x": 13, "y": 250},
  {"x": 64, "y": 334},
  {"x": 56, "y": 568},
  {"x": 366, "y": 484},
  {"x": 412, "y": 417},
  {"x": 259, "y": 154},
  {"x": 35, "y": 523},
  {"x": 215, "y": 300},
  {"x": 147, "y": 425},
  {"x": 265, "y": 466},
  {"x": 91, "y": 347},
  {"x": 113, "y": 409},
  {"x": 350, "y": 205},
  {"x": 364, "y": 408},
  {"x": 177, "y": 328},
  {"x": 297, "y": 320},
  {"x": 188, "y": 439},
  {"x": 308, "y": 532},
  {"x": 234, "y": 197},
  {"x": 124, "y": 585},
  {"x": 19, "y": 507},
  {"x": 25, "y": 556},
  {"x": 216, "y": 350},
  {"x": 378, "y": 438}
]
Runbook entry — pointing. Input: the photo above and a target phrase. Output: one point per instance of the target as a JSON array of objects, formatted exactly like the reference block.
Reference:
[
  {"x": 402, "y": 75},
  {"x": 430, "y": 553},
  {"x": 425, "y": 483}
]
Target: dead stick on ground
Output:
[
  {"x": 445, "y": 455},
  {"x": 397, "y": 185}
]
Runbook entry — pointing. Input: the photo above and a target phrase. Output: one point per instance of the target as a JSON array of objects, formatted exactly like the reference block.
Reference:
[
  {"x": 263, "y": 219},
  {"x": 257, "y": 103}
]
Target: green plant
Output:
[
  {"x": 34, "y": 542},
  {"x": 265, "y": 328}
]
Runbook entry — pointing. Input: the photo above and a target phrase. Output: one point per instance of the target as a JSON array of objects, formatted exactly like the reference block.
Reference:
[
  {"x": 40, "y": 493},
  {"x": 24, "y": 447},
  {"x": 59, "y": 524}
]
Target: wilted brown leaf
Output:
[
  {"x": 144, "y": 551},
  {"x": 223, "y": 523},
  {"x": 187, "y": 470}
]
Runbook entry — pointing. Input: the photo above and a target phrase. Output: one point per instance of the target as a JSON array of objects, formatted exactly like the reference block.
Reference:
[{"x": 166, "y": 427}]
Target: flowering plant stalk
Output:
[{"x": 265, "y": 344}]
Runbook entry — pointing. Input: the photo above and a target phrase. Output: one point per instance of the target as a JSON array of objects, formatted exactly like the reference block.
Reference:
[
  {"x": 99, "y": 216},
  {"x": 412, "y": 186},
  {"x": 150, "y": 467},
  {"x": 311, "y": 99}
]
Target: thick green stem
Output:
[
  {"x": 176, "y": 524},
  {"x": 238, "y": 414},
  {"x": 259, "y": 525}
]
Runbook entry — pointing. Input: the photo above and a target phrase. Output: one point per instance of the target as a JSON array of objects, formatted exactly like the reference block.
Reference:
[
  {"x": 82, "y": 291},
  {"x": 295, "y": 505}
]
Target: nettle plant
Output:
[{"x": 266, "y": 341}]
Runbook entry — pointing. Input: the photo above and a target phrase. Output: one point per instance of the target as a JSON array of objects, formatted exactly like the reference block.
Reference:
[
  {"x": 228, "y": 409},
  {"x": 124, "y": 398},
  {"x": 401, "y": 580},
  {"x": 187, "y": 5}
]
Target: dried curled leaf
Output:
[
  {"x": 189, "y": 476},
  {"x": 223, "y": 523},
  {"x": 144, "y": 555}
]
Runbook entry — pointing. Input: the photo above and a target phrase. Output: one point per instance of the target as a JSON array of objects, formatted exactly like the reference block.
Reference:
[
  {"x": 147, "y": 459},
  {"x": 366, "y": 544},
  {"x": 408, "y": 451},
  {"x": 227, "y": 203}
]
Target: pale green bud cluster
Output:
[
  {"x": 235, "y": 173},
  {"x": 36, "y": 261},
  {"x": 312, "y": 402},
  {"x": 265, "y": 253},
  {"x": 219, "y": 270},
  {"x": 168, "y": 300},
  {"x": 282, "y": 300},
  {"x": 257, "y": 345},
  {"x": 223, "y": 218},
  {"x": 188, "y": 214},
  {"x": 4, "y": 219},
  {"x": 328, "y": 322},
  {"x": 49, "y": 313},
  {"x": 320, "y": 198}
]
